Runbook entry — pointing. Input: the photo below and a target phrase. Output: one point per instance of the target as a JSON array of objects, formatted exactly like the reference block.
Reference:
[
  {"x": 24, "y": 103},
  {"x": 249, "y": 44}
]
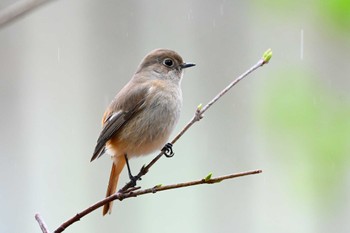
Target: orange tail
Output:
[{"x": 117, "y": 167}]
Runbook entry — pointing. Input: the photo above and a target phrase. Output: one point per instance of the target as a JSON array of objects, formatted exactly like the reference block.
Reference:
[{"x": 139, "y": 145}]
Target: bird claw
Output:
[
  {"x": 168, "y": 150},
  {"x": 134, "y": 179}
]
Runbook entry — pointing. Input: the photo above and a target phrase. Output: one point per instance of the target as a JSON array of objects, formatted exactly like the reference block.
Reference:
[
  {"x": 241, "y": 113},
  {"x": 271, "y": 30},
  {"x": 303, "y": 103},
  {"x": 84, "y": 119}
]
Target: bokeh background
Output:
[{"x": 62, "y": 63}]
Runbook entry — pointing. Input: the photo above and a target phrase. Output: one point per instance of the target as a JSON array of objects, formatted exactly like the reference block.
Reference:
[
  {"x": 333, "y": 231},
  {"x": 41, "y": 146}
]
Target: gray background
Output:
[{"x": 62, "y": 63}]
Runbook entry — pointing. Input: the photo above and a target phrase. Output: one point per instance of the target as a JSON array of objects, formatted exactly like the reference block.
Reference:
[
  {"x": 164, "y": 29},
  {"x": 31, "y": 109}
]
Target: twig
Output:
[
  {"x": 199, "y": 114},
  {"x": 42, "y": 224},
  {"x": 121, "y": 196},
  {"x": 16, "y": 9}
]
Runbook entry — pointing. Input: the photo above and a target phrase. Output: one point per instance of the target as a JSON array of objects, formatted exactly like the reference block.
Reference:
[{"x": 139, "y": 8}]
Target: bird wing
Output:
[{"x": 115, "y": 120}]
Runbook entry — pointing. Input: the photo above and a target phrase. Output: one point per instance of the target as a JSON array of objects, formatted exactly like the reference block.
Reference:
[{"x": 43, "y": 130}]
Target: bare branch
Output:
[
  {"x": 42, "y": 224},
  {"x": 121, "y": 196},
  {"x": 199, "y": 114},
  {"x": 16, "y": 9}
]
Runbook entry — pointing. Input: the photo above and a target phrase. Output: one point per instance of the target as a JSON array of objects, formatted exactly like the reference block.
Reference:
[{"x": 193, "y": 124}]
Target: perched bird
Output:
[{"x": 143, "y": 114}]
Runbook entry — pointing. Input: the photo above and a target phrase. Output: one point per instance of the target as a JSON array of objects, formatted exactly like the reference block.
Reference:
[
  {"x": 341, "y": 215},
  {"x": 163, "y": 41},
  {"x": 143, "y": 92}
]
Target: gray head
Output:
[{"x": 163, "y": 64}]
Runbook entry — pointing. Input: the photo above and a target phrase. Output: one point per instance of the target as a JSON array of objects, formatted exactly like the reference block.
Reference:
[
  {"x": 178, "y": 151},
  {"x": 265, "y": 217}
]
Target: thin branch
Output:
[
  {"x": 121, "y": 196},
  {"x": 199, "y": 114},
  {"x": 16, "y": 9},
  {"x": 42, "y": 224}
]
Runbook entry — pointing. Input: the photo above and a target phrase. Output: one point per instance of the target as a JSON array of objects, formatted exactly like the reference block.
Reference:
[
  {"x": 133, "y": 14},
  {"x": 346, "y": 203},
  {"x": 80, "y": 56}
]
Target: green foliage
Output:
[
  {"x": 313, "y": 125},
  {"x": 330, "y": 14},
  {"x": 337, "y": 12}
]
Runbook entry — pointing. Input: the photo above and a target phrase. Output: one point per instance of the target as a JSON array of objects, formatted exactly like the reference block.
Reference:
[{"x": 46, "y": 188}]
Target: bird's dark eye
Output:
[{"x": 168, "y": 62}]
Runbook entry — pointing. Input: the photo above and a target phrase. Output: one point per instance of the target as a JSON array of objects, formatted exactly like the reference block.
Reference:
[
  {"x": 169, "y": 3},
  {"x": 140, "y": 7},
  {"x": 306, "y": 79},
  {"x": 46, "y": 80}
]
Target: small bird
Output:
[{"x": 143, "y": 114}]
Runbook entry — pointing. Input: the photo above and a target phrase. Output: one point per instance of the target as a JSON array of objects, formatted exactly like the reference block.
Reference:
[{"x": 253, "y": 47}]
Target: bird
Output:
[{"x": 143, "y": 114}]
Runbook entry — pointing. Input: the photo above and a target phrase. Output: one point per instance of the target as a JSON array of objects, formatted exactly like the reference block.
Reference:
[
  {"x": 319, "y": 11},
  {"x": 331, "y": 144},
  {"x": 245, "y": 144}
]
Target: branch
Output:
[
  {"x": 130, "y": 191},
  {"x": 199, "y": 114},
  {"x": 16, "y": 9},
  {"x": 134, "y": 193},
  {"x": 42, "y": 224}
]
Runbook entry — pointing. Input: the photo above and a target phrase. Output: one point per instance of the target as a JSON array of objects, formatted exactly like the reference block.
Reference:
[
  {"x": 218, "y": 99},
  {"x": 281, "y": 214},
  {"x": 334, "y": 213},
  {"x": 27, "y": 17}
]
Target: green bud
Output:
[
  {"x": 158, "y": 186},
  {"x": 267, "y": 56},
  {"x": 208, "y": 177}
]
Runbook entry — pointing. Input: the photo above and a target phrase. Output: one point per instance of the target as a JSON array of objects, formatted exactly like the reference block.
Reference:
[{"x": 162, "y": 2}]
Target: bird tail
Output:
[{"x": 117, "y": 167}]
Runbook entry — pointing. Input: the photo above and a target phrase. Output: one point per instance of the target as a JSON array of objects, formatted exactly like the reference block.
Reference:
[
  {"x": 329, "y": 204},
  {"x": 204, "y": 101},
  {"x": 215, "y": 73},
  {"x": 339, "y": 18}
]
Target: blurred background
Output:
[{"x": 63, "y": 62}]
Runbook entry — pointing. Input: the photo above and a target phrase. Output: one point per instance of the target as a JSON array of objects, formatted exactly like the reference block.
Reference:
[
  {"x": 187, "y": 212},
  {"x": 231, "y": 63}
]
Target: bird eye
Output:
[{"x": 168, "y": 62}]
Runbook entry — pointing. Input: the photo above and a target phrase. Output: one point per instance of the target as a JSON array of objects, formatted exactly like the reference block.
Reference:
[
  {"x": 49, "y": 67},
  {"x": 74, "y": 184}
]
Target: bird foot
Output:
[{"x": 168, "y": 150}]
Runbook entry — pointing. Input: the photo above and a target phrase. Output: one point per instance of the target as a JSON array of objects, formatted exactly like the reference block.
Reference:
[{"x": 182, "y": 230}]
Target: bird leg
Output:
[{"x": 133, "y": 179}]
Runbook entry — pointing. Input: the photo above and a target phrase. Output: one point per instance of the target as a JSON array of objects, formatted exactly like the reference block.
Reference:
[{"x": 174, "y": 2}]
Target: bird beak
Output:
[{"x": 187, "y": 65}]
